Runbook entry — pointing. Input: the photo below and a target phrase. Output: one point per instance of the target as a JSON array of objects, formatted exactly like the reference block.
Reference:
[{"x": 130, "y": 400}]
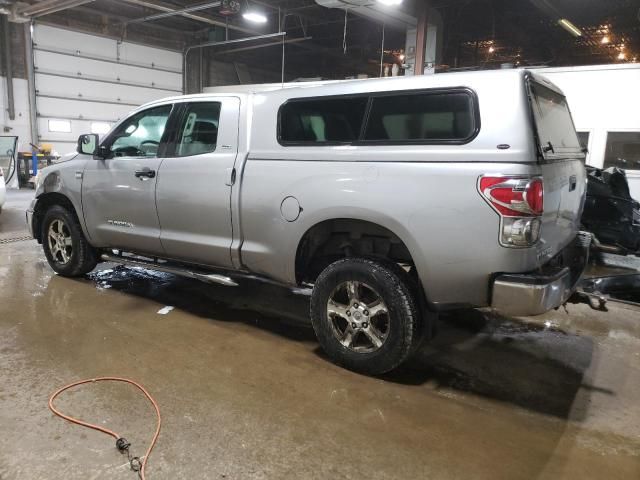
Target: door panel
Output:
[
  {"x": 118, "y": 193},
  {"x": 193, "y": 192},
  {"x": 119, "y": 208}
]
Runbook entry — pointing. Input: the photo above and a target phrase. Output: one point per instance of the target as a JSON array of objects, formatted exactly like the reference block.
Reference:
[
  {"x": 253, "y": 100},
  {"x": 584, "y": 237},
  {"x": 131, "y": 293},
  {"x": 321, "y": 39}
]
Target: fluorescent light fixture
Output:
[
  {"x": 390, "y": 3},
  {"x": 255, "y": 17},
  {"x": 570, "y": 27},
  {"x": 100, "y": 127},
  {"x": 60, "y": 126}
]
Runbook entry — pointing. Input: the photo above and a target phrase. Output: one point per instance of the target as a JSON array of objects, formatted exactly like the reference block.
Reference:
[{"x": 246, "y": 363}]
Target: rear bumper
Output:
[{"x": 537, "y": 292}]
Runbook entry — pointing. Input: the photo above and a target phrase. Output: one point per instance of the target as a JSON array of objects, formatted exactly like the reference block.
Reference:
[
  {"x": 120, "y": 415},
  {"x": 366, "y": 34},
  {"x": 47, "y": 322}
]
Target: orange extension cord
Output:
[{"x": 123, "y": 447}]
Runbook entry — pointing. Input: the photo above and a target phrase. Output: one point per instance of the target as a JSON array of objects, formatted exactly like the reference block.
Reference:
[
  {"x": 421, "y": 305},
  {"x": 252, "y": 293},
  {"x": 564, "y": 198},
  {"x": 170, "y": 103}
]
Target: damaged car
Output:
[{"x": 610, "y": 213}]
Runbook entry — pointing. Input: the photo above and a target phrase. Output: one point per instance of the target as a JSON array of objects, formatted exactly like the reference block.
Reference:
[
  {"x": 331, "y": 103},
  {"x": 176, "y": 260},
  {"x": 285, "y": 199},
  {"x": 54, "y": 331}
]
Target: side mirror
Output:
[{"x": 88, "y": 144}]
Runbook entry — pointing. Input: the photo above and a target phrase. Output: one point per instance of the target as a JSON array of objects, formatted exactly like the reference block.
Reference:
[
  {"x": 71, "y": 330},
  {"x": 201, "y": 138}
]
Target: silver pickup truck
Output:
[{"x": 394, "y": 198}]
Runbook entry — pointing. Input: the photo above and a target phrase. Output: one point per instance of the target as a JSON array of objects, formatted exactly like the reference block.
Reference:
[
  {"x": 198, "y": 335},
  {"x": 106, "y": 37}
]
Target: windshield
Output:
[{"x": 556, "y": 133}]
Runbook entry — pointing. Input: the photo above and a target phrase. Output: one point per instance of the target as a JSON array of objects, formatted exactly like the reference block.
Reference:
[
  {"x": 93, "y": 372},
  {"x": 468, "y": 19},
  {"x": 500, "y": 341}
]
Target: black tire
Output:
[
  {"x": 392, "y": 286},
  {"x": 82, "y": 257}
]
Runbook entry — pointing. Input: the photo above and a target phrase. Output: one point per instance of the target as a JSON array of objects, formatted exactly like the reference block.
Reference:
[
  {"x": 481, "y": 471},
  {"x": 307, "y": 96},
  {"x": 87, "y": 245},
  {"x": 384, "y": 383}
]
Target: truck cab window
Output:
[
  {"x": 140, "y": 135},
  {"x": 198, "y": 130}
]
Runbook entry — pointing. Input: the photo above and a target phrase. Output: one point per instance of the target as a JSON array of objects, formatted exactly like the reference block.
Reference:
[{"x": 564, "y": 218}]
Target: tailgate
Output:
[
  {"x": 564, "y": 192},
  {"x": 561, "y": 160}
]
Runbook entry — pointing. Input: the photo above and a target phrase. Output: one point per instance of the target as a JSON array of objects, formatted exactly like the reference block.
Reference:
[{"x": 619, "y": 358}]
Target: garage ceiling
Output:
[{"x": 477, "y": 33}]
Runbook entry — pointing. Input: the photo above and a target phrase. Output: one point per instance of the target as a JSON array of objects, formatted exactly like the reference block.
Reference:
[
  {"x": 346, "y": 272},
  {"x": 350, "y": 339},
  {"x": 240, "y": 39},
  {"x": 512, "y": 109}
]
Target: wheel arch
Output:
[
  {"x": 332, "y": 237},
  {"x": 47, "y": 200}
]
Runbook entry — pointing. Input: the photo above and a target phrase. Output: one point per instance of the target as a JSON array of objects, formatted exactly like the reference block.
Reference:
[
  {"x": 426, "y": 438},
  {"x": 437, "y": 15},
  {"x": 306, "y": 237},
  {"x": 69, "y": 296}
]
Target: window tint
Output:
[
  {"x": 623, "y": 150},
  {"x": 322, "y": 121},
  {"x": 553, "y": 120},
  {"x": 140, "y": 135},
  {"x": 198, "y": 131},
  {"x": 425, "y": 116}
]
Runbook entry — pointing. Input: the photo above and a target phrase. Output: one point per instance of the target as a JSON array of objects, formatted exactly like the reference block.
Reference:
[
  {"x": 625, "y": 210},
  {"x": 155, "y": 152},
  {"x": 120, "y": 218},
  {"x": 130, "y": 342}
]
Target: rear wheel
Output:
[
  {"x": 65, "y": 245},
  {"x": 364, "y": 315}
]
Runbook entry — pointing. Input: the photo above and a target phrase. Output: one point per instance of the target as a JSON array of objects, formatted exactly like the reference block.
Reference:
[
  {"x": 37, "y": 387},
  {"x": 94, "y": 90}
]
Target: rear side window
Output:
[
  {"x": 421, "y": 117},
  {"x": 322, "y": 121},
  {"x": 198, "y": 131}
]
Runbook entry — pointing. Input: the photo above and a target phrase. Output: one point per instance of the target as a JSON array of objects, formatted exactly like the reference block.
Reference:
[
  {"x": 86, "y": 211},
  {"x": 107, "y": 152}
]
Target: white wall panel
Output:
[
  {"x": 114, "y": 72},
  {"x": 75, "y": 87},
  {"x": 82, "y": 77},
  {"x": 55, "y": 107},
  {"x": 131, "y": 52},
  {"x": 51, "y": 37}
]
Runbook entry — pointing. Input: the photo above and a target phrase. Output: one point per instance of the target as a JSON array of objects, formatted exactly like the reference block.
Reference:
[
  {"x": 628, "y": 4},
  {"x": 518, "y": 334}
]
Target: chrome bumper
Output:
[{"x": 535, "y": 293}]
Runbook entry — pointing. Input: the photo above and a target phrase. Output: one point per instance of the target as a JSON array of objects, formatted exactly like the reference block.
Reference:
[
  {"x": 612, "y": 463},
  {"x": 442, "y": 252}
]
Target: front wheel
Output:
[
  {"x": 67, "y": 250},
  {"x": 364, "y": 315}
]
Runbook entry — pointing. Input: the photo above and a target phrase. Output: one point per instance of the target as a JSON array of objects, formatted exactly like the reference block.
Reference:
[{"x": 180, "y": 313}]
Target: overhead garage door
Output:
[{"x": 85, "y": 83}]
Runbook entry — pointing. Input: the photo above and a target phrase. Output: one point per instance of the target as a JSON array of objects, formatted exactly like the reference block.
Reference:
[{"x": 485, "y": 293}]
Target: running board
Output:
[{"x": 181, "y": 271}]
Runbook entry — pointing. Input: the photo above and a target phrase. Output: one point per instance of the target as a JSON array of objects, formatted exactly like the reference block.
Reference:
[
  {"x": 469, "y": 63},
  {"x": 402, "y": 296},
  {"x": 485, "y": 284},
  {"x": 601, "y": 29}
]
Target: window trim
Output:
[{"x": 370, "y": 98}]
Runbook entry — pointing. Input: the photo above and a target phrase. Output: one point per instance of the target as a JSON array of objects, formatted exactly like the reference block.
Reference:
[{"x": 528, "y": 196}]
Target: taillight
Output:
[{"x": 519, "y": 201}]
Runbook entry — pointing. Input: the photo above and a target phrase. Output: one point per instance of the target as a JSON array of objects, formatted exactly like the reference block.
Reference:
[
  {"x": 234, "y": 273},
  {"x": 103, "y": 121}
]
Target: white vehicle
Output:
[
  {"x": 395, "y": 198},
  {"x": 3, "y": 190}
]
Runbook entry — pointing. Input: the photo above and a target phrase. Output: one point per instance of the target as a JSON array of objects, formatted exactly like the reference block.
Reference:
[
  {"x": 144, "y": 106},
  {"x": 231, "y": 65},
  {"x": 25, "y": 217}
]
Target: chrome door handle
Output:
[{"x": 145, "y": 172}]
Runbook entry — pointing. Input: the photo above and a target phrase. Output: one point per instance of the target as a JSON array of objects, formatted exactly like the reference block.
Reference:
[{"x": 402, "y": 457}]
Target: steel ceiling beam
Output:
[
  {"x": 49, "y": 6},
  {"x": 160, "y": 16},
  {"x": 199, "y": 18}
]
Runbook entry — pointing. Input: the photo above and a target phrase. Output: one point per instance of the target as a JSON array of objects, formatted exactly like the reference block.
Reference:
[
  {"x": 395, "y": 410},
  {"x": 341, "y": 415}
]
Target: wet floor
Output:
[{"x": 246, "y": 393}]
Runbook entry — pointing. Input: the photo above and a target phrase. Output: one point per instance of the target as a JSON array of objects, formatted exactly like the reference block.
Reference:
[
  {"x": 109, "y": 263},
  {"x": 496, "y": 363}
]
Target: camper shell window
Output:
[{"x": 434, "y": 116}]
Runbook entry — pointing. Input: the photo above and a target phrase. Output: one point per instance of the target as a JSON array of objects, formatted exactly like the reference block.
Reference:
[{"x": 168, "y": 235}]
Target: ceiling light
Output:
[
  {"x": 390, "y": 3},
  {"x": 401, "y": 56},
  {"x": 491, "y": 49},
  {"x": 621, "y": 56},
  {"x": 570, "y": 27},
  {"x": 605, "y": 40},
  {"x": 255, "y": 17}
]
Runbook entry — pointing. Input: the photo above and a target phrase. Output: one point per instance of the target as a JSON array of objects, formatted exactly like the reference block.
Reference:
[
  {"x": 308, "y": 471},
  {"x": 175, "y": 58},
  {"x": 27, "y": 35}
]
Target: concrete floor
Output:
[{"x": 246, "y": 393}]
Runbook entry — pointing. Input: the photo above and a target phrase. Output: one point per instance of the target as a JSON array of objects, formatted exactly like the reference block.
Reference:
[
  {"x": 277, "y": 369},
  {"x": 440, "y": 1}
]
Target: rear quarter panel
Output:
[
  {"x": 435, "y": 209},
  {"x": 427, "y": 195}
]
